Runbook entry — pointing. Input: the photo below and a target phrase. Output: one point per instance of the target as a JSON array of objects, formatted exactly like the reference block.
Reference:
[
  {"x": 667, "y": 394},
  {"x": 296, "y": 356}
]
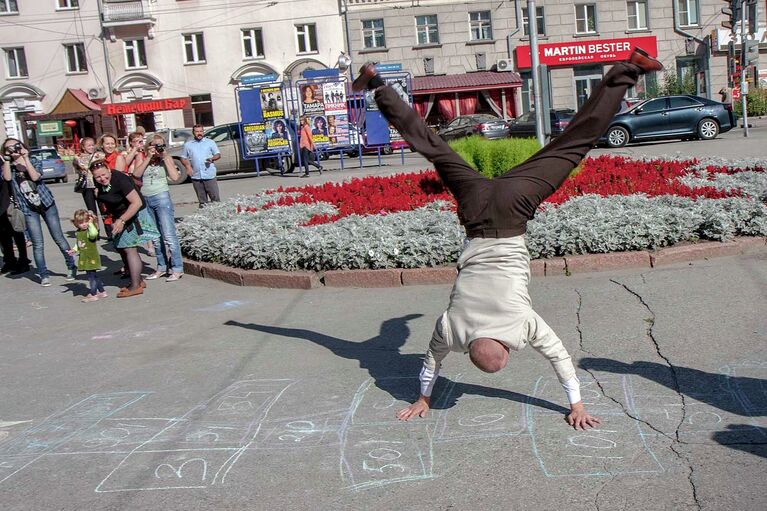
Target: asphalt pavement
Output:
[{"x": 203, "y": 395}]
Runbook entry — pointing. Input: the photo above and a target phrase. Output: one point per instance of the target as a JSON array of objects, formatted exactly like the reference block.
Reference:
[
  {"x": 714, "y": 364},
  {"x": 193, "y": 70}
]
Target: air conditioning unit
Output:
[
  {"x": 96, "y": 92},
  {"x": 503, "y": 65}
]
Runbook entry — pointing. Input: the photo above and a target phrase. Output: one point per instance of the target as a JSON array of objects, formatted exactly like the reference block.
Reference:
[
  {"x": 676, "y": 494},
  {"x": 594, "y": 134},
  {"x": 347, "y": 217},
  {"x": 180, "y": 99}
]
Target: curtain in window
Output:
[
  {"x": 467, "y": 103},
  {"x": 446, "y": 106}
]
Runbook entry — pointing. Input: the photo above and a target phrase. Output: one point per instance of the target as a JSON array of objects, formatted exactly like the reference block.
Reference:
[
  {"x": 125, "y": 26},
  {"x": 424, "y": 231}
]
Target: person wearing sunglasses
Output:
[
  {"x": 38, "y": 205},
  {"x": 155, "y": 171},
  {"x": 132, "y": 225}
]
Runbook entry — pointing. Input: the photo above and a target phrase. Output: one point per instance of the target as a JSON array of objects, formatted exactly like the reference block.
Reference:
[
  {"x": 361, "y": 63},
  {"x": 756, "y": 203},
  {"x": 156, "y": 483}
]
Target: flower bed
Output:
[{"x": 409, "y": 220}]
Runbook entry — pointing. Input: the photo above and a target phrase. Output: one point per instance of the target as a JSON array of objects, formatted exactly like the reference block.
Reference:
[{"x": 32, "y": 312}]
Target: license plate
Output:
[{"x": 47, "y": 171}]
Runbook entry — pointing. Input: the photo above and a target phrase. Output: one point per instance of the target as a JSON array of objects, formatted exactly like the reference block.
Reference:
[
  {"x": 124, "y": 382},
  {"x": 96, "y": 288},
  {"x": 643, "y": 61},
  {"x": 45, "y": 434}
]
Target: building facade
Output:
[
  {"x": 582, "y": 39},
  {"x": 126, "y": 51}
]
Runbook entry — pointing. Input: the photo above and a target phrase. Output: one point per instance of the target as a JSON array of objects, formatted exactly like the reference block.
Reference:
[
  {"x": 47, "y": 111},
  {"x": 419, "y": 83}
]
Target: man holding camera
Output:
[
  {"x": 155, "y": 172},
  {"x": 198, "y": 156}
]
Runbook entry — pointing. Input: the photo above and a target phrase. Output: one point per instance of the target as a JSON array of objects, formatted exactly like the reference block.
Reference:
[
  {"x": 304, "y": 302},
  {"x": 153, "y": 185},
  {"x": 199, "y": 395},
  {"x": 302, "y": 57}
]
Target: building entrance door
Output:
[{"x": 586, "y": 80}]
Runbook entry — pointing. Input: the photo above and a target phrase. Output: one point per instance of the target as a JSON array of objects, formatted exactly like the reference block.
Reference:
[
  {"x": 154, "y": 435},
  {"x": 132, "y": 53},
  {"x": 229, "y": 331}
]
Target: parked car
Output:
[
  {"x": 524, "y": 125},
  {"x": 49, "y": 162},
  {"x": 478, "y": 124},
  {"x": 670, "y": 117},
  {"x": 174, "y": 137},
  {"x": 227, "y": 138}
]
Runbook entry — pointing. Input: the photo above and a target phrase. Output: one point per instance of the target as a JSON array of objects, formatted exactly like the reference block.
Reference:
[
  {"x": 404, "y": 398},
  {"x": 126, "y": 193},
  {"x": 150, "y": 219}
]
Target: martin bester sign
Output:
[{"x": 586, "y": 52}]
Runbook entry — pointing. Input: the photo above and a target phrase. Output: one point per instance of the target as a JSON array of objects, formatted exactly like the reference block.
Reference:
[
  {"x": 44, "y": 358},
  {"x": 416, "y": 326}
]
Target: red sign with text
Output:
[
  {"x": 586, "y": 52},
  {"x": 144, "y": 106}
]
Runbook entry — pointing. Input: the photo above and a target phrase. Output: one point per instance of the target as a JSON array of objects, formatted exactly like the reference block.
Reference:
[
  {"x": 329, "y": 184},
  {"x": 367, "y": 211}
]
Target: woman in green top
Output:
[
  {"x": 154, "y": 172},
  {"x": 89, "y": 259}
]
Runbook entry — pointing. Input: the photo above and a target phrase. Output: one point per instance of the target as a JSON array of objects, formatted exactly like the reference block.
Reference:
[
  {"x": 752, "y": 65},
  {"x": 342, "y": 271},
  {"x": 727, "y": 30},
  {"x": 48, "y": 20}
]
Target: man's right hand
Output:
[{"x": 418, "y": 409}]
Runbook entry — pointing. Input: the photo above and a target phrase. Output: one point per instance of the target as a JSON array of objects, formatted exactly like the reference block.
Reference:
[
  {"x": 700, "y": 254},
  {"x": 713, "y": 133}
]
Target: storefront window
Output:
[
  {"x": 646, "y": 87},
  {"x": 203, "y": 109}
]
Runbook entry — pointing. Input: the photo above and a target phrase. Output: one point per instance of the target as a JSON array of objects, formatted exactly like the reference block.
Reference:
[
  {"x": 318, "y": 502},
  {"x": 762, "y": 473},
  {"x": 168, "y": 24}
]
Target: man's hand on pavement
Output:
[
  {"x": 418, "y": 409},
  {"x": 579, "y": 419}
]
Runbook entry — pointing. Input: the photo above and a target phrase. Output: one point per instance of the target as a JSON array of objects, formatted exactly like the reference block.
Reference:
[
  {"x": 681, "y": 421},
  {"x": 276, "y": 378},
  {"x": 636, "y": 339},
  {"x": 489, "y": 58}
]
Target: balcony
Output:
[{"x": 116, "y": 13}]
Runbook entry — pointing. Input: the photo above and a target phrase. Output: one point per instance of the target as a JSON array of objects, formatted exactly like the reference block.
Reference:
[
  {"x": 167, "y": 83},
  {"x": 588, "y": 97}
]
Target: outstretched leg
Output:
[
  {"x": 539, "y": 176},
  {"x": 465, "y": 183}
]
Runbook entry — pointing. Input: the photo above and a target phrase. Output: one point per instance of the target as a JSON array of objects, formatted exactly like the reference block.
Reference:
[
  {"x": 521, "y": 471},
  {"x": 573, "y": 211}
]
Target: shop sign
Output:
[
  {"x": 145, "y": 106},
  {"x": 49, "y": 129},
  {"x": 251, "y": 79},
  {"x": 586, "y": 52},
  {"x": 724, "y": 37}
]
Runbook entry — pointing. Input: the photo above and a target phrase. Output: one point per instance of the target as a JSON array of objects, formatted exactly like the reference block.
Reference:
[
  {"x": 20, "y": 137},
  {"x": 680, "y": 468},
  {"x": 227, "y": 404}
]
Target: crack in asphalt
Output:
[{"x": 676, "y": 440}]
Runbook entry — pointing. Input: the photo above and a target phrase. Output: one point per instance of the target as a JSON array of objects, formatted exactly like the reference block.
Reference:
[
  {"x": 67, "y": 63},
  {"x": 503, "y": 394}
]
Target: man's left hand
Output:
[{"x": 579, "y": 419}]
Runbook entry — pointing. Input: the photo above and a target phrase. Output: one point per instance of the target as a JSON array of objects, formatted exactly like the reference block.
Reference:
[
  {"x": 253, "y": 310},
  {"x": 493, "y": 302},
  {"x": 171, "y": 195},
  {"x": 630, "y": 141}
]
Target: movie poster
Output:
[
  {"x": 277, "y": 135},
  {"x": 334, "y": 95},
  {"x": 338, "y": 129},
  {"x": 255, "y": 138},
  {"x": 311, "y": 99},
  {"x": 319, "y": 127},
  {"x": 271, "y": 102}
]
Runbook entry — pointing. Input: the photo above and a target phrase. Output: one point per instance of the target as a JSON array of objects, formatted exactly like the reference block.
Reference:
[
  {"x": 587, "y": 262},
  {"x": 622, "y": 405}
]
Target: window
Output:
[
  {"x": 203, "y": 109},
  {"x": 252, "y": 43},
  {"x": 646, "y": 86},
  {"x": 306, "y": 37},
  {"x": 373, "y": 33},
  {"x": 682, "y": 102},
  {"x": 68, "y": 4},
  {"x": 688, "y": 12},
  {"x": 526, "y": 90},
  {"x": 9, "y": 7},
  {"x": 221, "y": 134},
  {"x": 480, "y": 25},
  {"x": 16, "y": 63},
  {"x": 194, "y": 48},
  {"x": 135, "y": 54},
  {"x": 585, "y": 18},
  {"x": 654, "y": 105},
  {"x": 76, "y": 58},
  {"x": 540, "y": 24},
  {"x": 637, "y": 14},
  {"x": 426, "y": 29}
]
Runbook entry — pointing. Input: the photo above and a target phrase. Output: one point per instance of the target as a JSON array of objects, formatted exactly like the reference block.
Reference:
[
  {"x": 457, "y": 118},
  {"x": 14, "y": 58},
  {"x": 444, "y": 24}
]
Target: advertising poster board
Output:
[
  {"x": 377, "y": 128},
  {"x": 255, "y": 139},
  {"x": 277, "y": 135},
  {"x": 324, "y": 105},
  {"x": 271, "y": 102}
]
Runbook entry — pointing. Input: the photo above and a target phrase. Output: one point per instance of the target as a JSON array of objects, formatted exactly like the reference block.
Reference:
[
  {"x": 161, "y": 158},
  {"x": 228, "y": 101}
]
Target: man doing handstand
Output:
[{"x": 490, "y": 311}]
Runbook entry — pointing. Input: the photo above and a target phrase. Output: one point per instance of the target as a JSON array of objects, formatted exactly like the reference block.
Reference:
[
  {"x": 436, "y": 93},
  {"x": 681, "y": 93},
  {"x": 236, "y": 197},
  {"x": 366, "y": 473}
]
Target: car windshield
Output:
[
  {"x": 563, "y": 115},
  {"x": 44, "y": 154}
]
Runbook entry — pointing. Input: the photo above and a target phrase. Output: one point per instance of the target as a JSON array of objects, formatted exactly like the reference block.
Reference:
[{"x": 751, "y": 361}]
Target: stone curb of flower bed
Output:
[{"x": 395, "y": 277}]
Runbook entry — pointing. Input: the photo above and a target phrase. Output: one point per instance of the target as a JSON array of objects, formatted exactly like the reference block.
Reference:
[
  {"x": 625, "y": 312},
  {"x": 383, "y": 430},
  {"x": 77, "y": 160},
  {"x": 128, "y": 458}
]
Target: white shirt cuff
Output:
[
  {"x": 573, "y": 389},
  {"x": 428, "y": 377}
]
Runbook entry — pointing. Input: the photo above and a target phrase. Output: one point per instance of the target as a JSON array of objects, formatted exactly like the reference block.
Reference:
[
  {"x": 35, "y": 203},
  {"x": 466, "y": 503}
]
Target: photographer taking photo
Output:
[
  {"x": 36, "y": 202},
  {"x": 154, "y": 171}
]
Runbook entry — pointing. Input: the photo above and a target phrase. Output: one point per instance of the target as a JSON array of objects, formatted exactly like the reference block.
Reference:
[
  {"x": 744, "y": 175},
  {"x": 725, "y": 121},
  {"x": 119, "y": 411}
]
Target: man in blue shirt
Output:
[{"x": 198, "y": 156}]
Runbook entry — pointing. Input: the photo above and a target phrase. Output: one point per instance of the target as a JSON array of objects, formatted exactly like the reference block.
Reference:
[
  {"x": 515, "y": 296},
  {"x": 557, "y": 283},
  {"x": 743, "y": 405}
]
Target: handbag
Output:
[{"x": 16, "y": 217}]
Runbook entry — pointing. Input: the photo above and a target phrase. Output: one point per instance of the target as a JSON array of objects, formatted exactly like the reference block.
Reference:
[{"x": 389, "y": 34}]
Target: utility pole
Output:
[
  {"x": 532, "y": 30},
  {"x": 743, "y": 52},
  {"x": 106, "y": 51}
]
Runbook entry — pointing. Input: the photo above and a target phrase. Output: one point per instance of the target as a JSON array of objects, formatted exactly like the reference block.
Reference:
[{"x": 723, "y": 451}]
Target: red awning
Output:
[{"x": 482, "y": 80}]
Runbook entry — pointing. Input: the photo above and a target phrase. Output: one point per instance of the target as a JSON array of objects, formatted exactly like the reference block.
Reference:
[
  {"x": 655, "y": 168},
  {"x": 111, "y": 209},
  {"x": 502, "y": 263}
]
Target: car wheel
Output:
[
  {"x": 708, "y": 129},
  {"x": 65, "y": 179},
  {"x": 324, "y": 156},
  {"x": 387, "y": 149},
  {"x": 617, "y": 136}
]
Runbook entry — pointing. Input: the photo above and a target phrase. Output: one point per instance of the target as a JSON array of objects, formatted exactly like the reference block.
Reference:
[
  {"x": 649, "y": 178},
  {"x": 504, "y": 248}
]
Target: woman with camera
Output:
[
  {"x": 154, "y": 171},
  {"x": 36, "y": 202},
  {"x": 132, "y": 226}
]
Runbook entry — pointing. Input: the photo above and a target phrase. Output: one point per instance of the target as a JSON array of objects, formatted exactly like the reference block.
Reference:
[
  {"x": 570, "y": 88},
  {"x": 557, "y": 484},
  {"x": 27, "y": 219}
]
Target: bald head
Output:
[{"x": 488, "y": 354}]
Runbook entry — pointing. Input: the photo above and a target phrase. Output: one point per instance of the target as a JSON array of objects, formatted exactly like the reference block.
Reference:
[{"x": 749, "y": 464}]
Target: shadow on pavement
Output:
[
  {"x": 392, "y": 371},
  {"x": 737, "y": 395}
]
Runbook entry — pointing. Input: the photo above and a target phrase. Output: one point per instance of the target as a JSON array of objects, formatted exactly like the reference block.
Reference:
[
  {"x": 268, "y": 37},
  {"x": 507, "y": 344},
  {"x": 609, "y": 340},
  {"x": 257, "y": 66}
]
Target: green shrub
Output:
[
  {"x": 492, "y": 158},
  {"x": 756, "y": 103}
]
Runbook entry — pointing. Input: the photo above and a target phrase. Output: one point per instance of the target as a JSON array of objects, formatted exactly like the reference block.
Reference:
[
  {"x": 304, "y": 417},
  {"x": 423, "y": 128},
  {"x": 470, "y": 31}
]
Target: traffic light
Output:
[{"x": 733, "y": 12}]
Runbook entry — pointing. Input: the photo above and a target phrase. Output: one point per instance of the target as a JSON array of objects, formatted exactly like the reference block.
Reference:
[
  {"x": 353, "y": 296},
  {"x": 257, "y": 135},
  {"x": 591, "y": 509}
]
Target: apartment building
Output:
[
  {"x": 578, "y": 41},
  {"x": 68, "y": 59}
]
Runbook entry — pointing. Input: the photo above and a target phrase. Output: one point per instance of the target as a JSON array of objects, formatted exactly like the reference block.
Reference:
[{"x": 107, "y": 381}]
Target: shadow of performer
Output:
[
  {"x": 392, "y": 371},
  {"x": 738, "y": 395}
]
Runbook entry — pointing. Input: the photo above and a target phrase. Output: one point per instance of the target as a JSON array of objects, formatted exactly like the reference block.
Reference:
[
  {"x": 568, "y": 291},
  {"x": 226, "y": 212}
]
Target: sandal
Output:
[{"x": 127, "y": 293}]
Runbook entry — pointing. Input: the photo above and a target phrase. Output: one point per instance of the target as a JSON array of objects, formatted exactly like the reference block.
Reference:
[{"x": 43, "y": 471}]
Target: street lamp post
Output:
[{"x": 532, "y": 29}]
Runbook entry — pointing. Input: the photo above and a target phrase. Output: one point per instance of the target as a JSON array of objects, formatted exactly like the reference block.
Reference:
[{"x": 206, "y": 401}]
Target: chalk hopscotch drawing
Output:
[{"x": 200, "y": 448}]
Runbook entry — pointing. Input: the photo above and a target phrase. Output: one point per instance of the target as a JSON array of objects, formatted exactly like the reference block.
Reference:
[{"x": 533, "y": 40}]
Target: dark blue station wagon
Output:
[{"x": 670, "y": 117}]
